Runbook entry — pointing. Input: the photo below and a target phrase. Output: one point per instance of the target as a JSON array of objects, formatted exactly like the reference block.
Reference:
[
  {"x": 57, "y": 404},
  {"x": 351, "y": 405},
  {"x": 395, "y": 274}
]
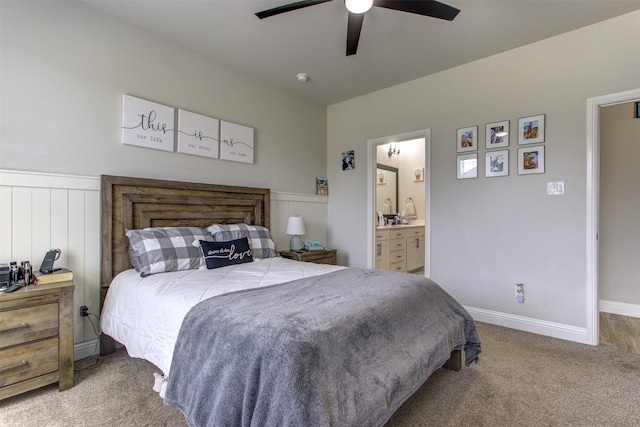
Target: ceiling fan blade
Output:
[
  {"x": 354, "y": 26},
  {"x": 431, "y": 8},
  {"x": 288, "y": 8}
]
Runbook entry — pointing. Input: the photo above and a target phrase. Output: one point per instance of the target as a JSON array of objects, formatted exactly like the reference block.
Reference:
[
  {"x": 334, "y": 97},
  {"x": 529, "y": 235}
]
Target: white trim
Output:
[
  {"x": 14, "y": 178},
  {"x": 593, "y": 190},
  {"x": 86, "y": 349},
  {"x": 527, "y": 324},
  {"x": 296, "y": 197},
  {"x": 371, "y": 179},
  {"x": 621, "y": 308}
]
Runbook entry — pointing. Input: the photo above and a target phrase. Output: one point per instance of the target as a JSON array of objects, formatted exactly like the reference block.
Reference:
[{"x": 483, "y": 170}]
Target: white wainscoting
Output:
[
  {"x": 312, "y": 209},
  {"x": 41, "y": 211}
]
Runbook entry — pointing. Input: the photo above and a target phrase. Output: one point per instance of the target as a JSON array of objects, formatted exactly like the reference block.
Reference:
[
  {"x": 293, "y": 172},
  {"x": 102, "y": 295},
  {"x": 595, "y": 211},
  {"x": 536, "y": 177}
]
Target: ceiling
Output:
[{"x": 395, "y": 47}]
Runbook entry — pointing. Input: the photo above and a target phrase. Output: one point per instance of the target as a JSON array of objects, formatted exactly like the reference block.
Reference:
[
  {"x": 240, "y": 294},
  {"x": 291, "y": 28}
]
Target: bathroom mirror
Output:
[{"x": 387, "y": 190}]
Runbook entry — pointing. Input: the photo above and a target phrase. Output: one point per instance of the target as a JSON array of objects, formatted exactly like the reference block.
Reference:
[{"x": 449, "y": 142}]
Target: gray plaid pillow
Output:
[
  {"x": 156, "y": 250},
  {"x": 262, "y": 245}
]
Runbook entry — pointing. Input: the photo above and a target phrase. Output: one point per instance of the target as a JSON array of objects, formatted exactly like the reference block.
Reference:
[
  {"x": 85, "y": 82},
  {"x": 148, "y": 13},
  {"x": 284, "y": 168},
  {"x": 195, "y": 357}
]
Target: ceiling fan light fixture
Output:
[{"x": 358, "y": 6}]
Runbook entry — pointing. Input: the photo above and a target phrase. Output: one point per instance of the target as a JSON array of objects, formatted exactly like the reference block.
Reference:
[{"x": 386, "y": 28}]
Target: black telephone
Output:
[{"x": 47, "y": 263}]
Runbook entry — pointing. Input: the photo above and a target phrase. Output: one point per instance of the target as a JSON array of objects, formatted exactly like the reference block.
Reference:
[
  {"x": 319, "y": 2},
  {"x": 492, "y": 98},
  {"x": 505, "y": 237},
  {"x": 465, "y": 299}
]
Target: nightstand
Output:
[
  {"x": 319, "y": 257},
  {"x": 36, "y": 338}
]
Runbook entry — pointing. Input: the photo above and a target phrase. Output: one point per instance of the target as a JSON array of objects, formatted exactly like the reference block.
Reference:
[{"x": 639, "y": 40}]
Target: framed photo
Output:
[
  {"x": 322, "y": 186},
  {"x": 637, "y": 110},
  {"x": 497, "y": 135},
  {"x": 496, "y": 163},
  {"x": 531, "y": 130},
  {"x": 467, "y": 166},
  {"x": 348, "y": 160},
  {"x": 418, "y": 174},
  {"x": 467, "y": 139},
  {"x": 531, "y": 160},
  {"x": 382, "y": 178}
]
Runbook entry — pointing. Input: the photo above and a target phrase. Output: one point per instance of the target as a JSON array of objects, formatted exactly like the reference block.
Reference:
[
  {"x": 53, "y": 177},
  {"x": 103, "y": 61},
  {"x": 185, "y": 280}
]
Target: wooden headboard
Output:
[{"x": 133, "y": 203}]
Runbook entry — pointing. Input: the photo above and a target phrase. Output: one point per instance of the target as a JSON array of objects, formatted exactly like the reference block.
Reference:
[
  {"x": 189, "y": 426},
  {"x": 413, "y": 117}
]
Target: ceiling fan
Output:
[{"x": 358, "y": 8}]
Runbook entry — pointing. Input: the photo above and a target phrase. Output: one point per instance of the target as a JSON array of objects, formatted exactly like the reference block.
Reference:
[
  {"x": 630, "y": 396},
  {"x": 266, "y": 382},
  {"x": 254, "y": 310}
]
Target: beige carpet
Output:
[{"x": 522, "y": 380}]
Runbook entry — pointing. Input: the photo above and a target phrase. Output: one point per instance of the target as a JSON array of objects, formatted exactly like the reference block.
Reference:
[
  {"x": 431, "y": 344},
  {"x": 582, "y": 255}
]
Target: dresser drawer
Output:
[
  {"x": 400, "y": 265},
  {"x": 397, "y": 245},
  {"x": 28, "y": 361},
  {"x": 382, "y": 234},
  {"x": 26, "y": 324},
  {"x": 397, "y": 256},
  {"x": 415, "y": 232},
  {"x": 398, "y": 233},
  {"x": 321, "y": 257}
]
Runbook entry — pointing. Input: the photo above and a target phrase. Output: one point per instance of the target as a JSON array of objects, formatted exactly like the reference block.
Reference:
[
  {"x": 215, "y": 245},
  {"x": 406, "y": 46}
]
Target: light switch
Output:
[{"x": 555, "y": 188}]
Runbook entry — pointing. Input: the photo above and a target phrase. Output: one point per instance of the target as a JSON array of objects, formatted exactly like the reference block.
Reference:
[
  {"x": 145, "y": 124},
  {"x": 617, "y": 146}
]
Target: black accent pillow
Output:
[{"x": 221, "y": 254}]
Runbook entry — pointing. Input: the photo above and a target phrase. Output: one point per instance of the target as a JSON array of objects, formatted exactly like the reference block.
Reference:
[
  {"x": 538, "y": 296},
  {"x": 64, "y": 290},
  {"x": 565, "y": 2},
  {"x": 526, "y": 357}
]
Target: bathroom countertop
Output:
[{"x": 388, "y": 227}]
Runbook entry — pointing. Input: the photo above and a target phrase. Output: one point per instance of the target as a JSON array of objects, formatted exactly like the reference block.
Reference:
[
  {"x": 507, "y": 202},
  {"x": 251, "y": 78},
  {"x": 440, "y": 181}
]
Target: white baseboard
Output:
[
  {"x": 621, "y": 308},
  {"x": 527, "y": 324},
  {"x": 86, "y": 349}
]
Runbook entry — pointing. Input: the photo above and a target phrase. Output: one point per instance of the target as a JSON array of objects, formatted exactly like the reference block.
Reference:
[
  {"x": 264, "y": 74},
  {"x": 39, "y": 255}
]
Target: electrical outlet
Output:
[
  {"x": 520, "y": 292},
  {"x": 555, "y": 188},
  {"x": 84, "y": 311}
]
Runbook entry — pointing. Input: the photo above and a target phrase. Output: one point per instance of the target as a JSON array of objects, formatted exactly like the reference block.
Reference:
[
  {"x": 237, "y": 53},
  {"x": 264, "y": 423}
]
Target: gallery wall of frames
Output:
[{"x": 530, "y": 158}]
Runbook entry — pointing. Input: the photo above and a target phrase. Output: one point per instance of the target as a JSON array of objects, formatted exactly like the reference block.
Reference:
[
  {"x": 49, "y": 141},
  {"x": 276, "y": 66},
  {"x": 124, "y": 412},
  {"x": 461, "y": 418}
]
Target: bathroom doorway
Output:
[{"x": 413, "y": 170}]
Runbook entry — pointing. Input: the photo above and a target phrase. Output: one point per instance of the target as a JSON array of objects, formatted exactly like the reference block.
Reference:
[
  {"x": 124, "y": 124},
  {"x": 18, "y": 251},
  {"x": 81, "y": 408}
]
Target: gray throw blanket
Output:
[{"x": 341, "y": 349}]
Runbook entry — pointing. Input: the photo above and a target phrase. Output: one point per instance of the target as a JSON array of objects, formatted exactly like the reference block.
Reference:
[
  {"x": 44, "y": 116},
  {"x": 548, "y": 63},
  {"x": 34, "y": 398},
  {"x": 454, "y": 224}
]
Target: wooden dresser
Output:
[
  {"x": 319, "y": 257},
  {"x": 36, "y": 338}
]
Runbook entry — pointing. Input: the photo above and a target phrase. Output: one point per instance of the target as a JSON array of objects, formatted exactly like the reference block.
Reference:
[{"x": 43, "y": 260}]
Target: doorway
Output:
[
  {"x": 593, "y": 203},
  {"x": 372, "y": 163}
]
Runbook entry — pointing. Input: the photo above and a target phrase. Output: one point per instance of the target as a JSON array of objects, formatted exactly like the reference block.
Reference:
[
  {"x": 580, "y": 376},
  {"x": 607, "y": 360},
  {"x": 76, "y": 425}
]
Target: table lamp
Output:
[{"x": 295, "y": 228}]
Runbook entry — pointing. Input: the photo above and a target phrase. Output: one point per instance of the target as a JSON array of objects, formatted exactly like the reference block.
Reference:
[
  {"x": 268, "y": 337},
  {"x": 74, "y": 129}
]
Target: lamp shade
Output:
[{"x": 295, "y": 226}]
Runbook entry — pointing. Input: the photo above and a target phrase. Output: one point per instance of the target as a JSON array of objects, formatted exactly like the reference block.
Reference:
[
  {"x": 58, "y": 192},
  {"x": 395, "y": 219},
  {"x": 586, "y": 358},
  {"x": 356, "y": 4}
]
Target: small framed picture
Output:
[
  {"x": 496, "y": 163},
  {"x": 322, "y": 186},
  {"x": 348, "y": 160},
  {"x": 637, "y": 110},
  {"x": 497, "y": 135},
  {"x": 531, "y": 160},
  {"x": 531, "y": 130},
  {"x": 467, "y": 166},
  {"x": 467, "y": 139},
  {"x": 382, "y": 178},
  {"x": 418, "y": 174}
]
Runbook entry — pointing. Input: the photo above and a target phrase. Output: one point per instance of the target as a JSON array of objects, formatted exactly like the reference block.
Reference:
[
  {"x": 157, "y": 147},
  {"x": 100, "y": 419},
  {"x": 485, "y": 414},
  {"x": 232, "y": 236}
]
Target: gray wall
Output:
[
  {"x": 489, "y": 233},
  {"x": 65, "y": 67},
  {"x": 619, "y": 237}
]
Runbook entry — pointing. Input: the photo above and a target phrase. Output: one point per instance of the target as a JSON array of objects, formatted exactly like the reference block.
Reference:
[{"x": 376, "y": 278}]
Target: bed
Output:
[{"x": 272, "y": 341}]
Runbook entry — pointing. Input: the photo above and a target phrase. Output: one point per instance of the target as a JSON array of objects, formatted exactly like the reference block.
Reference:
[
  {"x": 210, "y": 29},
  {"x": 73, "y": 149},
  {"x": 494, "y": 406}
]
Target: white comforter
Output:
[{"x": 145, "y": 313}]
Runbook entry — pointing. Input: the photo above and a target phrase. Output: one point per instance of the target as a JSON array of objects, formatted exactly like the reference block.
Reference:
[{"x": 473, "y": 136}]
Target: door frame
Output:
[
  {"x": 593, "y": 202},
  {"x": 372, "y": 144}
]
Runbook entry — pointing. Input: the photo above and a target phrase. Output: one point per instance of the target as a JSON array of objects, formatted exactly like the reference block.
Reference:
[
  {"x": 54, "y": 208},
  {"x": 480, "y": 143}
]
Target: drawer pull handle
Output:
[
  {"x": 13, "y": 328},
  {"x": 17, "y": 365},
  {"x": 379, "y": 249}
]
